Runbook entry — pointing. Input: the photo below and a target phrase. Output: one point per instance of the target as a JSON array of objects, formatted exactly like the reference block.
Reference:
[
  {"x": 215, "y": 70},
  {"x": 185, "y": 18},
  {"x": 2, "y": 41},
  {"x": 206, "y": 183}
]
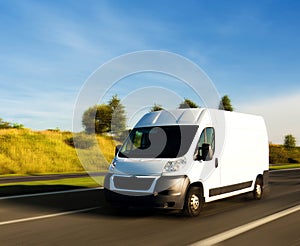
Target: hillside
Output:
[{"x": 23, "y": 151}]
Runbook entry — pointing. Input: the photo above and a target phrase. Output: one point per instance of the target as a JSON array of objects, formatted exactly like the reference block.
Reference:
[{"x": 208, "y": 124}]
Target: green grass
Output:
[
  {"x": 284, "y": 166},
  {"x": 76, "y": 182},
  {"x": 23, "y": 151}
]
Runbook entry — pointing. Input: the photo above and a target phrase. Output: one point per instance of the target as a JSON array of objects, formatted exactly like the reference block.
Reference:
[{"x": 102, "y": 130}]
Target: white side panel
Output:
[{"x": 245, "y": 150}]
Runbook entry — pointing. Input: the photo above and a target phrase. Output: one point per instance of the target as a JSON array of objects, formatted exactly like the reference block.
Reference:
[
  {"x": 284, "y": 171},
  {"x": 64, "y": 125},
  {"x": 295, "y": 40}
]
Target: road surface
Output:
[{"x": 82, "y": 218}]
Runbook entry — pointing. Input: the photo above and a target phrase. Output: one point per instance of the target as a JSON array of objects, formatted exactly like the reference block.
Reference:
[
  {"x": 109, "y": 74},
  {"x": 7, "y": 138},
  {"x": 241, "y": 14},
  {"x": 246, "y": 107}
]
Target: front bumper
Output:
[{"x": 165, "y": 192}]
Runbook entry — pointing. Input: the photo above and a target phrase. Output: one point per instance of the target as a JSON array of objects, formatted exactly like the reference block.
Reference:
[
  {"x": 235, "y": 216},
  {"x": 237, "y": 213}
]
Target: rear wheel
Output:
[
  {"x": 258, "y": 189},
  {"x": 193, "y": 202}
]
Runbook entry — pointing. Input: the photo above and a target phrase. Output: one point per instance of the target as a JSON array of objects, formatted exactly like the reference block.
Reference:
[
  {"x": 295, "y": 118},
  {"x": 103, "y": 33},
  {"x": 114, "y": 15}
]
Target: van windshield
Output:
[{"x": 158, "y": 142}]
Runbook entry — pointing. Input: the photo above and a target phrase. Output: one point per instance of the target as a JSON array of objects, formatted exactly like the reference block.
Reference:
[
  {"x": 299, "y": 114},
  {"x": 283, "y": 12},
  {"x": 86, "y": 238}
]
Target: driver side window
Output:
[{"x": 207, "y": 137}]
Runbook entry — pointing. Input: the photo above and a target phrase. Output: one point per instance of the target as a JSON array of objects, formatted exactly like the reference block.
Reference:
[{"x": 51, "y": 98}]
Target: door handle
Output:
[{"x": 216, "y": 162}]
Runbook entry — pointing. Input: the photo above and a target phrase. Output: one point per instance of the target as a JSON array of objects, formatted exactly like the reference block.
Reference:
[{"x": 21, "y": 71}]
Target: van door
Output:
[{"x": 210, "y": 175}]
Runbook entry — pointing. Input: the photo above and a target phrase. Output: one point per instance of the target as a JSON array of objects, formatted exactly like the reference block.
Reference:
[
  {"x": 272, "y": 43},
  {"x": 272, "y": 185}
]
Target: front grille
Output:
[{"x": 133, "y": 183}]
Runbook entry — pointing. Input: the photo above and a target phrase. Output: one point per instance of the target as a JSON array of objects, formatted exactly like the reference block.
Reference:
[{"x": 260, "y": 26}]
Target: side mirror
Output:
[
  {"x": 117, "y": 149},
  {"x": 197, "y": 157},
  {"x": 207, "y": 153}
]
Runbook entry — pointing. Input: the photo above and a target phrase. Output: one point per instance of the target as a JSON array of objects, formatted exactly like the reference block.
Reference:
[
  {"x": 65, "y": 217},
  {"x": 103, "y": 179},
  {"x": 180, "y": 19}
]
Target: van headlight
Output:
[
  {"x": 175, "y": 165},
  {"x": 112, "y": 165}
]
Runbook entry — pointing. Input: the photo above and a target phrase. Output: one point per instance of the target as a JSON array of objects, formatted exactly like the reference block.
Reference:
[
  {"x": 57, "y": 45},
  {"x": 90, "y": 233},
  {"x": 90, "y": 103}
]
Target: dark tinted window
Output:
[{"x": 158, "y": 142}]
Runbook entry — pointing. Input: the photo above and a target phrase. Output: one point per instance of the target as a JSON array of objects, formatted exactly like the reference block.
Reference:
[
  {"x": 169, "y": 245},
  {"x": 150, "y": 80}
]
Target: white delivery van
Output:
[{"x": 181, "y": 158}]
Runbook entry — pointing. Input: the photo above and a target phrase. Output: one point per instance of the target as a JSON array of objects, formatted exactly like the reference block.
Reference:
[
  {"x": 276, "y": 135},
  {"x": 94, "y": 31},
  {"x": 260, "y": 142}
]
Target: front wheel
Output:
[
  {"x": 258, "y": 189},
  {"x": 193, "y": 202}
]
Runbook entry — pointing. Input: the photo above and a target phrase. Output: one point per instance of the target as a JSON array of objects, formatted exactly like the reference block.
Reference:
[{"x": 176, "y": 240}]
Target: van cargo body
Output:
[{"x": 181, "y": 158}]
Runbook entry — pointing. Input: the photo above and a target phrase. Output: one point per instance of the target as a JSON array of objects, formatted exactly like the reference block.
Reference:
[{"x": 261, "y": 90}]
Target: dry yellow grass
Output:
[{"x": 23, "y": 151}]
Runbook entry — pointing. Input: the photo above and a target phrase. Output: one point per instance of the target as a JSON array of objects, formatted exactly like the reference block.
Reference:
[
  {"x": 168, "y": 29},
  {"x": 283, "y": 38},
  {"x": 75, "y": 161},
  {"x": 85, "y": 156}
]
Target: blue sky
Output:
[{"x": 250, "y": 50}]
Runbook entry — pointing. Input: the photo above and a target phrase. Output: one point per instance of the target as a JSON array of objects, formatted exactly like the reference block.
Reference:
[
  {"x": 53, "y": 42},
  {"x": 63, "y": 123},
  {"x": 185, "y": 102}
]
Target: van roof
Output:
[{"x": 171, "y": 117}]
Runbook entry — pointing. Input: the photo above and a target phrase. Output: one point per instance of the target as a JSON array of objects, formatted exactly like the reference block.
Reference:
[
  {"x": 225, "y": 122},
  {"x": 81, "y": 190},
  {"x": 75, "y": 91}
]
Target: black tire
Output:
[
  {"x": 258, "y": 189},
  {"x": 193, "y": 202}
]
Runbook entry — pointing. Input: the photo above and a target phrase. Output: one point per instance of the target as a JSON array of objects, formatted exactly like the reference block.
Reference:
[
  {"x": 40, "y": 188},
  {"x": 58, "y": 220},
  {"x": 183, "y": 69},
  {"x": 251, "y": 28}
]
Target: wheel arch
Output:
[
  {"x": 199, "y": 185},
  {"x": 260, "y": 177}
]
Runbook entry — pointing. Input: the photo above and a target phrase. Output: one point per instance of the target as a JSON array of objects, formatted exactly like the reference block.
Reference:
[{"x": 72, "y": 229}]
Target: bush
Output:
[
  {"x": 279, "y": 154},
  {"x": 82, "y": 141}
]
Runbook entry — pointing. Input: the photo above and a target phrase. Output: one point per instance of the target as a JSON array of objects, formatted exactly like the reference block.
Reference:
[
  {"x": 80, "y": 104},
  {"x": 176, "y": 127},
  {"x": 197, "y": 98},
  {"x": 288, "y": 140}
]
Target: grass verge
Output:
[
  {"x": 284, "y": 166},
  {"x": 87, "y": 182}
]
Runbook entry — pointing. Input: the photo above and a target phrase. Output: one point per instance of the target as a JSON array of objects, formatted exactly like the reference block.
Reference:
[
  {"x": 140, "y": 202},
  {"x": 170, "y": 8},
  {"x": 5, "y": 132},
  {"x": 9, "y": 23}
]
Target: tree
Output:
[
  {"x": 97, "y": 119},
  {"x": 187, "y": 103},
  {"x": 118, "y": 120},
  {"x": 7, "y": 125},
  {"x": 17, "y": 126},
  {"x": 4, "y": 124},
  {"x": 156, "y": 107},
  {"x": 289, "y": 141},
  {"x": 114, "y": 102},
  {"x": 105, "y": 117},
  {"x": 225, "y": 103}
]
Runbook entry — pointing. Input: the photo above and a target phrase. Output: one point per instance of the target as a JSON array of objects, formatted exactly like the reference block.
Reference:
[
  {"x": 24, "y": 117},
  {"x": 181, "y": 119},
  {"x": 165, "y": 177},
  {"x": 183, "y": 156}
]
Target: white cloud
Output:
[{"x": 282, "y": 115}]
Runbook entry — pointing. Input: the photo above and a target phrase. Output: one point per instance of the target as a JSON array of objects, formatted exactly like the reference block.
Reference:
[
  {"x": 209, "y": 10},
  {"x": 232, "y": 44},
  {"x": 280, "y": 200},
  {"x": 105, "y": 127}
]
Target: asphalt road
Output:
[{"x": 82, "y": 218}]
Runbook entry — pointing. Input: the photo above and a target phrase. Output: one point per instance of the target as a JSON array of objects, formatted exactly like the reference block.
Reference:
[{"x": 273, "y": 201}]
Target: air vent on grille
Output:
[{"x": 133, "y": 183}]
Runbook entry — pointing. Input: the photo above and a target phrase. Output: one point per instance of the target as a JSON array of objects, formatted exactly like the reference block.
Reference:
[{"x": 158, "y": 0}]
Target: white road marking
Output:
[
  {"x": 47, "y": 216},
  {"x": 241, "y": 229},
  {"x": 50, "y": 193}
]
